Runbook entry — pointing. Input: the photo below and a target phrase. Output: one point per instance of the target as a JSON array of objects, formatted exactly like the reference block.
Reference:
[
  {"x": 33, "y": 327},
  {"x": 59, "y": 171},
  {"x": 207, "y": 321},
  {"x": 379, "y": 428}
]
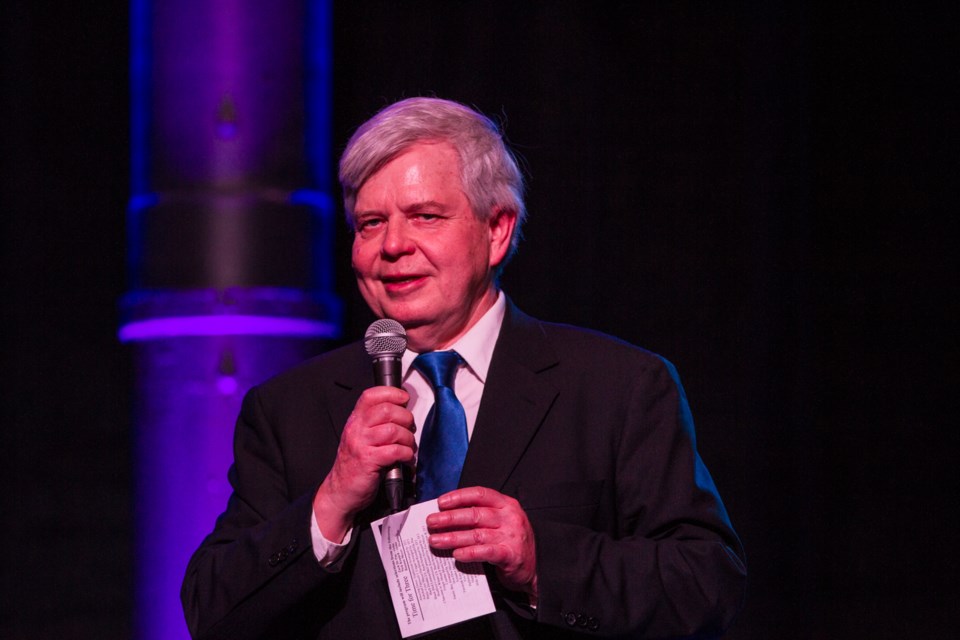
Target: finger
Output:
[
  {"x": 389, "y": 455},
  {"x": 463, "y": 538},
  {"x": 379, "y": 445},
  {"x": 468, "y": 518},
  {"x": 393, "y": 424},
  {"x": 496, "y": 554},
  {"x": 385, "y": 434},
  {"x": 384, "y": 413},
  {"x": 370, "y": 450},
  {"x": 473, "y": 497},
  {"x": 376, "y": 395},
  {"x": 499, "y": 555}
]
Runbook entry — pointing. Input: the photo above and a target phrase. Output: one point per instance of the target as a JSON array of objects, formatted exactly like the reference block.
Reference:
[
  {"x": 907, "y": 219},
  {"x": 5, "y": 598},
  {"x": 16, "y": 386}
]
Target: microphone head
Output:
[{"x": 385, "y": 337}]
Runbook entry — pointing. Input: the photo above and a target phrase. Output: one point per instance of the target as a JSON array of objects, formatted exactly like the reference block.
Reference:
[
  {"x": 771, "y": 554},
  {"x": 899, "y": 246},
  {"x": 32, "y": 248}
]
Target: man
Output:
[{"x": 581, "y": 489}]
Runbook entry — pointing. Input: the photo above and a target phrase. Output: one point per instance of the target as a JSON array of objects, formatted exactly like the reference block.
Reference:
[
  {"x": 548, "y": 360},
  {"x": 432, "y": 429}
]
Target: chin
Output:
[{"x": 409, "y": 318}]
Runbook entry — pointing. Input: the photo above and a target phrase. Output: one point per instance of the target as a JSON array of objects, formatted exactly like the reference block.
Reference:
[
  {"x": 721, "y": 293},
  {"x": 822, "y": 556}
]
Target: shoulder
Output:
[
  {"x": 346, "y": 366},
  {"x": 604, "y": 354},
  {"x": 581, "y": 339},
  {"x": 588, "y": 349}
]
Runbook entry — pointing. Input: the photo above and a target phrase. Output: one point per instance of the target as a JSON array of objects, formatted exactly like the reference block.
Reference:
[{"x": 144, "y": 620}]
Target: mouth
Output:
[{"x": 401, "y": 282}]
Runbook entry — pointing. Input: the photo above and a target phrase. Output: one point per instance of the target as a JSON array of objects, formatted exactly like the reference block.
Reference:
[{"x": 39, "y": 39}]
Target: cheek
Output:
[
  {"x": 479, "y": 260},
  {"x": 359, "y": 259}
]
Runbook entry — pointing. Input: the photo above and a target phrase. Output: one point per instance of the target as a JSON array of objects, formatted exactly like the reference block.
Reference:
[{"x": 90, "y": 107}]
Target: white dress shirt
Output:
[{"x": 476, "y": 348}]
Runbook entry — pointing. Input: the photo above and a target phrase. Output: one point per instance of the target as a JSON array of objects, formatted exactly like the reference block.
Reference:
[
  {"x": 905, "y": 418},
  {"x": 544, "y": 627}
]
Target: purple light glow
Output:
[
  {"x": 227, "y": 385},
  {"x": 225, "y": 325},
  {"x": 219, "y": 90}
]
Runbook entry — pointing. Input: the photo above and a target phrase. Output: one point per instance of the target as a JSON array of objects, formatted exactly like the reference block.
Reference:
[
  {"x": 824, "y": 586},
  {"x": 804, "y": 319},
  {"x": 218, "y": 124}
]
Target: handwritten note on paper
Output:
[{"x": 429, "y": 588}]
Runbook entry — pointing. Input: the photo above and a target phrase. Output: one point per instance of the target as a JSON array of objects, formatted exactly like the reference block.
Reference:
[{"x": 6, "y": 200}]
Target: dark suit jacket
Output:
[{"x": 594, "y": 438}]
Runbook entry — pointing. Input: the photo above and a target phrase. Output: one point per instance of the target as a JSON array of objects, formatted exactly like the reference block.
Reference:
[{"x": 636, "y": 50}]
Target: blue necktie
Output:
[{"x": 443, "y": 443}]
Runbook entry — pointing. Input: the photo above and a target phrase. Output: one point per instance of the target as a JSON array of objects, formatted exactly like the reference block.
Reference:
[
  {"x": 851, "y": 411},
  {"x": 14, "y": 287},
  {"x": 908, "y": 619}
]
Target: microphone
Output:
[{"x": 385, "y": 342}]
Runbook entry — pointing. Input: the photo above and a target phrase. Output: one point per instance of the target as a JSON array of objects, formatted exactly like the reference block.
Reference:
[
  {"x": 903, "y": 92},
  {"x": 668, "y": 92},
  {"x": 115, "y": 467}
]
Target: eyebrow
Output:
[
  {"x": 413, "y": 206},
  {"x": 425, "y": 204}
]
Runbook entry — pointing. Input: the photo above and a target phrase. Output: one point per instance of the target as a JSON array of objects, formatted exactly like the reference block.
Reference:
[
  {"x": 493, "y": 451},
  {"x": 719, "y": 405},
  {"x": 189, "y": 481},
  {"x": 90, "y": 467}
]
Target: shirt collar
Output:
[{"x": 476, "y": 345}]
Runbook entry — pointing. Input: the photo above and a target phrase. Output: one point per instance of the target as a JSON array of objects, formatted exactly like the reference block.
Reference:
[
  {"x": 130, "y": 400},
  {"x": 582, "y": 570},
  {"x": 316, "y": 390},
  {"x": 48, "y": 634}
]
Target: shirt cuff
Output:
[{"x": 325, "y": 551}]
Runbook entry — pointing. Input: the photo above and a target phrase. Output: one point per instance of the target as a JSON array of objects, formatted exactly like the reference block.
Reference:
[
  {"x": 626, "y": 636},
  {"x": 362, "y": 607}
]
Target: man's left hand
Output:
[{"x": 483, "y": 525}]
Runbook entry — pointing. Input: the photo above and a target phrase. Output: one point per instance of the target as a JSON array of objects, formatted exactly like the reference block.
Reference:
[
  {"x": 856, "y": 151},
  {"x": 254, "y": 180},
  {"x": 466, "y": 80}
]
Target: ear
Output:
[{"x": 501, "y": 224}]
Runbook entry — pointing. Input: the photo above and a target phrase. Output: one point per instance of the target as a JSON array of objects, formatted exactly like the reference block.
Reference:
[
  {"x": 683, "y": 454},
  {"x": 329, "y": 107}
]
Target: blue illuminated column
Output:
[{"x": 230, "y": 250}]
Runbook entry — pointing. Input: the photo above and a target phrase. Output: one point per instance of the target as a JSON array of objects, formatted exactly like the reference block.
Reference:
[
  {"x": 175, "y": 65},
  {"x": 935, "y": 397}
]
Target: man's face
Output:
[{"x": 420, "y": 255}]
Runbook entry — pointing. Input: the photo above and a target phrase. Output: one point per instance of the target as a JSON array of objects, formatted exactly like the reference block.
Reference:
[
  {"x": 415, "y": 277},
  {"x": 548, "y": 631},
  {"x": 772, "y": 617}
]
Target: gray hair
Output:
[{"x": 488, "y": 170}]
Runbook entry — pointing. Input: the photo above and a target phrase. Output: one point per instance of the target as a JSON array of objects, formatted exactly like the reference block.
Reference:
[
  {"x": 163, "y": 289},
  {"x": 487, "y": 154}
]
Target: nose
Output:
[{"x": 397, "y": 240}]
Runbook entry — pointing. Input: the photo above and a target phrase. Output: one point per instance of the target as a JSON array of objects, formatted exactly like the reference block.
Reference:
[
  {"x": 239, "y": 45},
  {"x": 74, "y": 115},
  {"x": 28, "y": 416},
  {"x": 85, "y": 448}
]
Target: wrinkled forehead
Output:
[
  {"x": 456, "y": 158},
  {"x": 406, "y": 147}
]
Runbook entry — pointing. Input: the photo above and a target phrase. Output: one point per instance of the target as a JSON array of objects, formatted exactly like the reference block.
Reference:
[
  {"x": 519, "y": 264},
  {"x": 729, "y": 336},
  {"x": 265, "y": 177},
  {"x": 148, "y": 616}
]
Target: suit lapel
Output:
[
  {"x": 348, "y": 383},
  {"x": 516, "y": 399}
]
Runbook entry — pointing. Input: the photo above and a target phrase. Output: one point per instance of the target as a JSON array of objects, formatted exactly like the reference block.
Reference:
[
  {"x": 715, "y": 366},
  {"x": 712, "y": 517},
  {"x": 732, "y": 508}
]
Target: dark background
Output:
[{"x": 764, "y": 195}]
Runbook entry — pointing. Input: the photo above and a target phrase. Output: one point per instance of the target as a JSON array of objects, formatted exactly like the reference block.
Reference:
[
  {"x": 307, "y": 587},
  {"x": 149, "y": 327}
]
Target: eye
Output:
[{"x": 368, "y": 224}]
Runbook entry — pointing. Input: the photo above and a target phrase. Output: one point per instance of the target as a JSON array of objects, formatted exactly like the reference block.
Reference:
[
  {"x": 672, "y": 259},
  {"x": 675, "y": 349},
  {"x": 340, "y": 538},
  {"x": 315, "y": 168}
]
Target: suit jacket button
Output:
[
  {"x": 592, "y": 623},
  {"x": 274, "y": 560},
  {"x": 570, "y": 618},
  {"x": 581, "y": 620}
]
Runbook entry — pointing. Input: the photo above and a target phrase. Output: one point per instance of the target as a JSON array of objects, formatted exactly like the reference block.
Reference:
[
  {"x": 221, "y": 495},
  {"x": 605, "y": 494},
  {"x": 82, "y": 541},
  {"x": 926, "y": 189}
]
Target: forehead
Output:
[{"x": 422, "y": 167}]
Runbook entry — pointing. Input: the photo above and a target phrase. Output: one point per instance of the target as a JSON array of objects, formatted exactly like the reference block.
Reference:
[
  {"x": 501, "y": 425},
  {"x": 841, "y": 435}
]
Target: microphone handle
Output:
[{"x": 386, "y": 372}]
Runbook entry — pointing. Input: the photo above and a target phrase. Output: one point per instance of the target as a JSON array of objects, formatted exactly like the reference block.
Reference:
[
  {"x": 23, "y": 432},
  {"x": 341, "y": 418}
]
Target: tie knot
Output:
[{"x": 439, "y": 367}]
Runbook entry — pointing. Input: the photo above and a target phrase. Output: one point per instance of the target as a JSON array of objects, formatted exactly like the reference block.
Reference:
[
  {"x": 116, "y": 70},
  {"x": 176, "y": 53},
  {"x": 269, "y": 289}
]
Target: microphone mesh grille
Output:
[{"x": 385, "y": 337}]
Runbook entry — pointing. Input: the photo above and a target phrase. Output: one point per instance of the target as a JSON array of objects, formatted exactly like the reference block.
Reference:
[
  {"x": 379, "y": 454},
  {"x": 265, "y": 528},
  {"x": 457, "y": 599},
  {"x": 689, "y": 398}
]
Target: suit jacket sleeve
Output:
[
  {"x": 667, "y": 563},
  {"x": 256, "y": 575}
]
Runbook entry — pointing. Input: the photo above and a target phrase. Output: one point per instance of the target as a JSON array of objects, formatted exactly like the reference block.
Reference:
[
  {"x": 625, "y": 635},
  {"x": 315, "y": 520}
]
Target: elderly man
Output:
[{"x": 581, "y": 489}]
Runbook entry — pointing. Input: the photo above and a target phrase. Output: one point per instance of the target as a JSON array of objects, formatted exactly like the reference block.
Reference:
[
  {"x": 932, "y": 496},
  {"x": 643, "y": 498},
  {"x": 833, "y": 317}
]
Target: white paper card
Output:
[{"x": 429, "y": 588}]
